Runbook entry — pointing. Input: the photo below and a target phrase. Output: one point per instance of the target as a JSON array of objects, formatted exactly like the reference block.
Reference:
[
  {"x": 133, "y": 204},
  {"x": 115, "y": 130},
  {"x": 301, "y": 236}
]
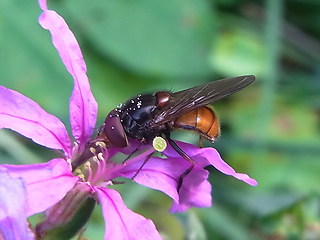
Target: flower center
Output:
[{"x": 95, "y": 169}]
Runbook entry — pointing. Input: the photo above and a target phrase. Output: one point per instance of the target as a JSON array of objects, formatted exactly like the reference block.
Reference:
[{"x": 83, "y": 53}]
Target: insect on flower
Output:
[
  {"x": 147, "y": 116},
  {"x": 60, "y": 187}
]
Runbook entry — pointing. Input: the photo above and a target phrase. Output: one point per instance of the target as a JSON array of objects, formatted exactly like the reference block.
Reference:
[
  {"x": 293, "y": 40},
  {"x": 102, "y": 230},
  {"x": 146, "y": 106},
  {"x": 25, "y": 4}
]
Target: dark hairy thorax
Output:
[{"x": 136, "y": 115}]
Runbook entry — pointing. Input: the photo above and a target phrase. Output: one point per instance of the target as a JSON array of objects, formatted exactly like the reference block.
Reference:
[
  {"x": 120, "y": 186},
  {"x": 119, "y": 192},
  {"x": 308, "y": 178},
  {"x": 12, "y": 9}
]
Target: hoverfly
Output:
[{"x": 147, "y": 116}]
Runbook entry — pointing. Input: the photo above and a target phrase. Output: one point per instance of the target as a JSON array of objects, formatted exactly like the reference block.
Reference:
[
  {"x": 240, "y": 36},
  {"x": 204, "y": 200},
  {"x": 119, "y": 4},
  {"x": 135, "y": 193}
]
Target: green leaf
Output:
[
  {"x": 193, "y": 226},
  {"x": 236, "y": 53},
  {"x": 168, "y": 37},
  {"x": 223, "y": 225},
  {"x": 30, "y": 63},
  {"x": 15, "y": 150}
]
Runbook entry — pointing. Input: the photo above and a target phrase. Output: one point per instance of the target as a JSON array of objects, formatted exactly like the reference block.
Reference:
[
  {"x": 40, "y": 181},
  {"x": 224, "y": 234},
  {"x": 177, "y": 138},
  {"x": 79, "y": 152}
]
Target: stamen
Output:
[
  {"x": 81, "y": 176},
  {"x": 88, "y": 167},
  {"x": 95, "y": 158},
  {"x": 93, "y": 150},
  {"x": 101, "y": 144},
  {"x": 105, "y": 153},
  {"x": 103, "y": 165},
  {"x": 97, "y": 173},
  {"x": 100, "y": 156},
  {"x": 100, "y": 170}
]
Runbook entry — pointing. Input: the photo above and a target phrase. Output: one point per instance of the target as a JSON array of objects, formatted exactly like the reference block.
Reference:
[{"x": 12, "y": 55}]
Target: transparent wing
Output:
[{"x": 187, "y": 100}]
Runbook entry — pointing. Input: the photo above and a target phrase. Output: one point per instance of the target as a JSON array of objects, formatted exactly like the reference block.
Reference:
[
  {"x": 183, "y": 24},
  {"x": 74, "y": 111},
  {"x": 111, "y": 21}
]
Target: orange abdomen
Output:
[{"x": 202, "y": 120}]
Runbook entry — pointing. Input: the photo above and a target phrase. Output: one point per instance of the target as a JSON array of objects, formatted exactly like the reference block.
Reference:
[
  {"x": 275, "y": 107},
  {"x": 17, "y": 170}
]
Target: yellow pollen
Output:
[
  {"x": 159, "y": 144},
  {"x": 95, "y": 158},
  {"x": 81, "y": 176},
  {"x": 88, "y": 164},
  {"x": 78, "y": 170},
  {"x": 101, "y": 144},
  {"x": 93, "y": 150},
  {"x": 100, "y": 156}
]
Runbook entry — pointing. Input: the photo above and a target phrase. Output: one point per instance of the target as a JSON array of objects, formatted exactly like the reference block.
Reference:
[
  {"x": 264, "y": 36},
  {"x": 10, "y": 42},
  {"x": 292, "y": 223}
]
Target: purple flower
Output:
[
  {"x": 163, "y": 174},
  {"x": 12, "y": 208},
  {"x": 30, "y": 185}
]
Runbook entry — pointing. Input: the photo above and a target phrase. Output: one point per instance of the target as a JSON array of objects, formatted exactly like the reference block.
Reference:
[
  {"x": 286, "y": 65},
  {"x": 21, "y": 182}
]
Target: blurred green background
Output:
[{"x": 270, "y": 130}]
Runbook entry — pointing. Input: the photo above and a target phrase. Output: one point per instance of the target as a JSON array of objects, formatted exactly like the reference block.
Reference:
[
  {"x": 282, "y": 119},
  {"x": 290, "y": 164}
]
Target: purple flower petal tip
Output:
[
  {"x": 43, "y": 4},
  {"x": 121, "y": 222},
  {"x": 26, "y": 117},
  {"x": 13, "y": 218},
  {"x": 39, "y": 179},
  {"x": 244, "y": 177},
  {"x": 83, "y": 106},
  {"x": 210, "y": 156}
]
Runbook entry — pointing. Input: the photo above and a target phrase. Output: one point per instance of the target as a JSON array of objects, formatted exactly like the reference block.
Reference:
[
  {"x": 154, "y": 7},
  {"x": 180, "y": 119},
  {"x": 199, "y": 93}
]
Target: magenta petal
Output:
[
  {"x": 209, "y": 156},
  {"x": 195, "y": 191},
  {"x": 26, "y": 117},
  {"x": 43, "y": 4},
  {"x": 163, "y": 175},
  {"x": 83, "y": 106},
  {"x": 213, "y": 157},
  {"x": 121, "y": 222},
  {"x": 134, "y": 145},
  {"x": 157, "y": 173},
  {"x": 45, "y": 183},
  {"x": 13, "y": 217}
]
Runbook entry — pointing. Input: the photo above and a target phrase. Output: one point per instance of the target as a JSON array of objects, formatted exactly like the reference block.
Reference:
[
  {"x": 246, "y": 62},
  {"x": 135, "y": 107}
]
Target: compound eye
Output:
[{"x": 114, "y": 131}]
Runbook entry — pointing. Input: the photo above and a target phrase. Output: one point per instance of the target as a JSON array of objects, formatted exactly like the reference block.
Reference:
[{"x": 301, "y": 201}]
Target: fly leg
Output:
[
  {"x": 142, "y": 165},
  {"x": 182, "y": 154},
  {"x": 129, "y": 156},
  {"x": 200, "y": 144}
]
